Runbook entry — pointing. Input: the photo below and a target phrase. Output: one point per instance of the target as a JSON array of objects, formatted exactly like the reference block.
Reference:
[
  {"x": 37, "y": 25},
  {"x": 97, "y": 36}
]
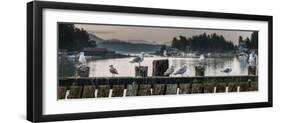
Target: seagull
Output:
[
  {"x": 82, "y": 58},
  {"x": 165, "y": 53},
  {"x": 202, "y": 58},
  {"x": 227, "y": 70},
  {"x": 169, "y": 71},
  {"x": 181, "y": 71},
  {"x": 112, "y": 70},
  {"x": 138, "y": 59},
  {"x": 252, "y": 59},
  {"x": 209, "y": 54}
]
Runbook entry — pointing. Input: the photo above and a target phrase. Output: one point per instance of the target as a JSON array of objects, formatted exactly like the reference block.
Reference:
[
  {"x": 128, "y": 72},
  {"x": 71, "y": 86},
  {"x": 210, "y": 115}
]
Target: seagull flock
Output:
[
  {"x": 181, "y": 71},
  {"x": 170, "y": 71}
]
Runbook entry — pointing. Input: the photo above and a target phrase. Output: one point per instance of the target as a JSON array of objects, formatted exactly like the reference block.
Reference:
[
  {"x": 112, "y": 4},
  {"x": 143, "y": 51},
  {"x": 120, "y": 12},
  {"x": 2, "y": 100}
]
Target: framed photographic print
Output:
[{"x": 95, "y": 61}]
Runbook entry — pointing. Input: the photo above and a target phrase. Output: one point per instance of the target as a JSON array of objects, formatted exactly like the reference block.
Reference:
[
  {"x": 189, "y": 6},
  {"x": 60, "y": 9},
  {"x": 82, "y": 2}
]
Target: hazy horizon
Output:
[{"x": 158, "y": 35}]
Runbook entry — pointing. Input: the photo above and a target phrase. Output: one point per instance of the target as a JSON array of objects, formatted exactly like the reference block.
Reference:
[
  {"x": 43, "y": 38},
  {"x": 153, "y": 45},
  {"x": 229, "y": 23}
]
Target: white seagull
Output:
[
  {"x": 138, "y": 59},
  {"x": 202, "y": 58},
  {"x": 165, "y": 53},
  {"x": 226, "y": 70},
  {"x": 112, "y": 70},
  {"x": 252, "y": 59},
  {"x": 181, "y": 71},
  {"x": 82, "y": 58},
  {"x": 169, "y": 71}
]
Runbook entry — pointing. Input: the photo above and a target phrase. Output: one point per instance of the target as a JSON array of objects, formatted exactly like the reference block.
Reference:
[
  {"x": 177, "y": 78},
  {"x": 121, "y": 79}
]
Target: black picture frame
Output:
[{"x": 35, "y": 69}]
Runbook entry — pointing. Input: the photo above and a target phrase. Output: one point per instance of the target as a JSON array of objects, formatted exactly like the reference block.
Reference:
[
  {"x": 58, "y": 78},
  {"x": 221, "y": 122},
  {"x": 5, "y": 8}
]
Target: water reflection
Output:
[{"x": 100, "y": 68}]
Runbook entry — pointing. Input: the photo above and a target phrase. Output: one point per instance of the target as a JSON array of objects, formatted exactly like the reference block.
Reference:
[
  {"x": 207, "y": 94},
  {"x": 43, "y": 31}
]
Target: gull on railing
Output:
[
  {"x": 138, "y": 59},
  {"x": 182, "y": 70}
]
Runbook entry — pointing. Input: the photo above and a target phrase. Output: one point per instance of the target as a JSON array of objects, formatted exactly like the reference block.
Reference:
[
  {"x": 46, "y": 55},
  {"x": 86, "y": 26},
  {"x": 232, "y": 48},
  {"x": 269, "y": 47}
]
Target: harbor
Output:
[{"x": 121, "y": 64}]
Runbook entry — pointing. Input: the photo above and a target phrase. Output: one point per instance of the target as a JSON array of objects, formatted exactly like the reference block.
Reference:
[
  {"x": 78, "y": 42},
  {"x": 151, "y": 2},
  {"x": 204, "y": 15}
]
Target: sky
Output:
[{"x": 156, "y": 34}]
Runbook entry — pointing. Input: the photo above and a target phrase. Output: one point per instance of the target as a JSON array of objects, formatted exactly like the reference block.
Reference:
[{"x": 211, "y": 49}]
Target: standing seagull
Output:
[
  {"x": 112, "y": 70},
  {"x": 138, "y": 59},
  {"x": 169, "y": 71},
  {"x": 82, "y": 58},
  {"x": 165, "y": 53},
  {"x": 202, "y": 58},
  {"x": 181, "y": 70},
  {"x": 252, "y": 59},
  {"x": 227, "y": 70}
]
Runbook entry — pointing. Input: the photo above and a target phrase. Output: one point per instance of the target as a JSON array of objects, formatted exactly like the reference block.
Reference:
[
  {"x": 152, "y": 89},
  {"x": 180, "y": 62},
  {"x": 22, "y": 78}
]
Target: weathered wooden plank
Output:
[
  {"x": 197, "y": 87},
  {"x": 220, "y": 87},
  {"x": 61, "y": 92},
  {"x": 253, "y": 86},
  {"x": 132, "y": 89},
  {"x": 159, "y": 67},
  {"x": 83, "y": 71},
  {"x": 199, "y": 70},
  {"x": 89, "y": 91},
  {"x": 144, "y": 90},
  {"x": 118, "y": 90},
  {"x": 68, "y": 81},
  {"x": 103, "y": 90},
  {"x": 141, "y": 71},
  {"x": 158, "y": 89},
  {"x": 244, "y": 86},
  {"x": 184, "y": 88},
  {"x": 232, "y": 86},
  {"x": 252, "y": 70},
  {"x": 209, "y": 87},
  {"x": 200, "y": 85},
  {"x": 75, "y": 92},
  {"x": 171, "y": 89}
]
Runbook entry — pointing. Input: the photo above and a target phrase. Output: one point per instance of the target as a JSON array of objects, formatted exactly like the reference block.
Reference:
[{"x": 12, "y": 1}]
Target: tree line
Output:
[
  {"x": 203, "y": 43},
  {"x": 73, "y": 39},
  {"x": 252, "y": 42}
]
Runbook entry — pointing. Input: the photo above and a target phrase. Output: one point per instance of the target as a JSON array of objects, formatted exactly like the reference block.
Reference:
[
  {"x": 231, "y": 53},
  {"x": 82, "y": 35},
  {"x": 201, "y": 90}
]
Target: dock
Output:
[{"x": 108, "y": 87}]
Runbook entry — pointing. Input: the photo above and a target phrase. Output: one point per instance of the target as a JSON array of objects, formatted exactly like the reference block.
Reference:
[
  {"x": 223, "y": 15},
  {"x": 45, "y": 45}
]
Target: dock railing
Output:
[{"x": 106, "y": 87}]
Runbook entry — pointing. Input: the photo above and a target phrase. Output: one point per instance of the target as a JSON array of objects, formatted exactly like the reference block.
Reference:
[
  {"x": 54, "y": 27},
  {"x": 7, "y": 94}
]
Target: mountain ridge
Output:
[{"x": 129, "y": 46}]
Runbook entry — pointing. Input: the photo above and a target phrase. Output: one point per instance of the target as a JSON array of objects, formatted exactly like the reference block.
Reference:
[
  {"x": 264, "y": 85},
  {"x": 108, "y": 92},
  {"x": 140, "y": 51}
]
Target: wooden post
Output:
[
  {"x": 158, "y": 89},
  {"x": 75, "y": 92},
  {"x": 132, "y": 89},
  {"x": 209, "y": 87},
  {"x": 61, "y": 92},
  {"x": 220, "y": 87},
  {"x": 89, "y": 91},
  {"x": 103, "y": 91},
  {"x": 118, "y": 90},
  {"x": 141, "y": 71},
  {"x": 197, "y": 87},
  {"x": 252, "y": 70},
  {"x": 83, "y": 71},
  {"x": 144, "y": 90},
  {"x": 171, "y": 89},
  {"x": 159, "y": 67},
  {"x": 199, "y": 70},
  {"x": 185, "y": 88}
]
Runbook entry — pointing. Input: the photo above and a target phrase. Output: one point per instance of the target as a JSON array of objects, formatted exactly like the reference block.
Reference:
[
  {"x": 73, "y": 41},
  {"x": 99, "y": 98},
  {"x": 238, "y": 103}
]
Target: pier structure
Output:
[
  {"x": 158, "y": 84},
  {"x": 106, "y": 87}
]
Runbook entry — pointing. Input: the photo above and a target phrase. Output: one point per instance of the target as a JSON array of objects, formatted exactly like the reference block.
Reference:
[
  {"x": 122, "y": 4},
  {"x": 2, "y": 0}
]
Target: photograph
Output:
[
  {"x": 107, "y": 60},
  {"x": 89, "y": 61}
]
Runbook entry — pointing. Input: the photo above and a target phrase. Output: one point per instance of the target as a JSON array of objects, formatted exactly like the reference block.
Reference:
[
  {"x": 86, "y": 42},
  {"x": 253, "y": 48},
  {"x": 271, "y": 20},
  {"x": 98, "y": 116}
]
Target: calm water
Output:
[{"x": 100, "y": 68}]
